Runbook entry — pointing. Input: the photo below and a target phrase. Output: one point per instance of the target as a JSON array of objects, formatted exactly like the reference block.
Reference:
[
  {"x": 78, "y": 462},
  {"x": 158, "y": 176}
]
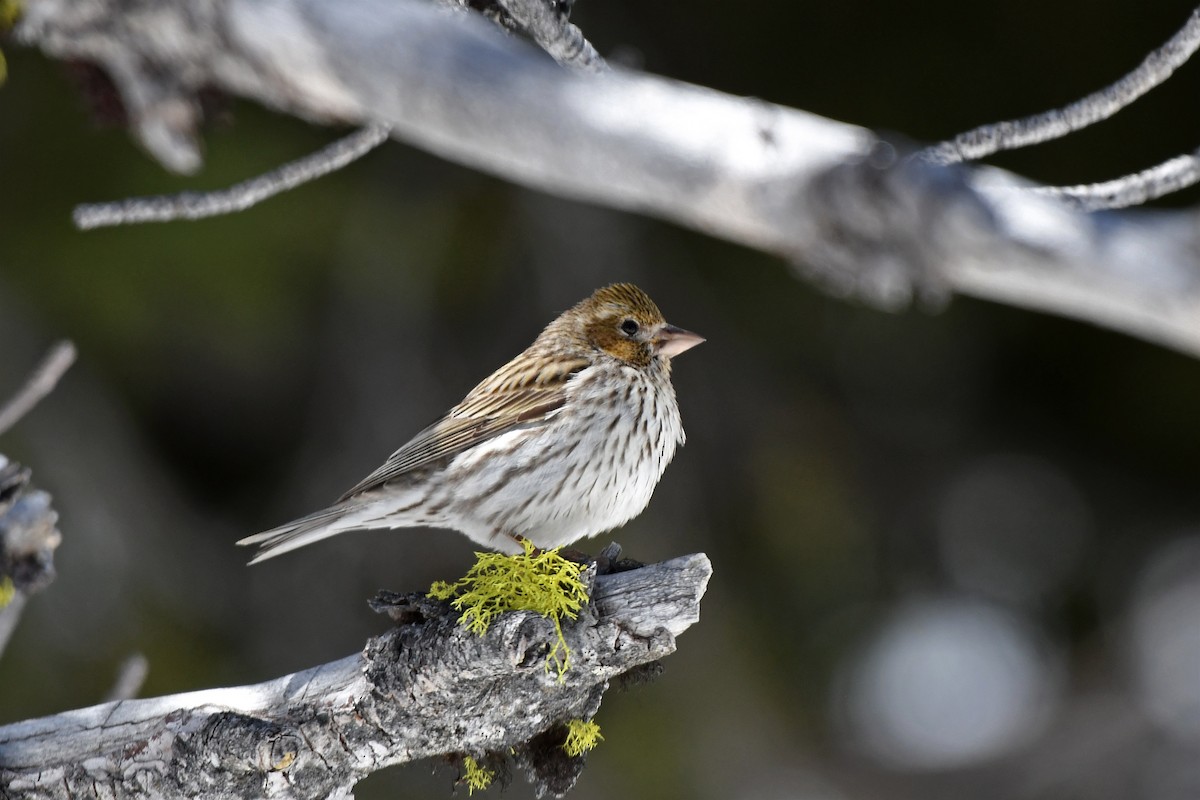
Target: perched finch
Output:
[{"x": 565, "y": 441}]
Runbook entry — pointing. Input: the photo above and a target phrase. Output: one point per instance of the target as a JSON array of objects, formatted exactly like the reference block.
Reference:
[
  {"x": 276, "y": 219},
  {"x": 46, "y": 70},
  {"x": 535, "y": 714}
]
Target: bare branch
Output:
[
  {"x": 1131, "y": 190},
  {"x": 40, "y": 383},
  {"x": 131, "y": 675},
  {"x": 198, "y": 205},
  {"x": 10, "y": 615},
  {"x": 1010, "y": 135},
  {"x": 541, "y": 19},
  {"x": 427, "y": 687},
  {"x": 834, "y": 199}
]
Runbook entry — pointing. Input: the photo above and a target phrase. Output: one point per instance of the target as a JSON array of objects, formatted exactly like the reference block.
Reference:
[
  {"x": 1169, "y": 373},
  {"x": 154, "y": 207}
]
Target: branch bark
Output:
[
  {"x": 849, "y": 209},
  {"x": 426, "y": 688}
]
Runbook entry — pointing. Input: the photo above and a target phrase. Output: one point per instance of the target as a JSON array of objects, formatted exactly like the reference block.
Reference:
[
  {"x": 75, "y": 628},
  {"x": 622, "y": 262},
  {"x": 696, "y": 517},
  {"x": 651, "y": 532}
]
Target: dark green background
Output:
[{"x": 237, "y": 372}]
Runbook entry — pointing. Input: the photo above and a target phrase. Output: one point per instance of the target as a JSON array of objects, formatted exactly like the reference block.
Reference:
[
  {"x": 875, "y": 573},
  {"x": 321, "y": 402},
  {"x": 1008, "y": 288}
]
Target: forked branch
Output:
[{"x": 848, "y": 209}]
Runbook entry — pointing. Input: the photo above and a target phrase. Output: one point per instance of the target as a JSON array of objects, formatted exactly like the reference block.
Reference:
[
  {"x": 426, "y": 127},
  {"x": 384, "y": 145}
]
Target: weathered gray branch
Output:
[
  {"x": 544, "y": 21},
  {"x": 833, "y": 198},
  {"x": 1055, "y": 123},
  {"x": 1131, "y": 190},
  {"x": 198, "y": 205},
  {"x": 130, "y": 677},
  {"x": 40, "y": 383},
  {"x": 427, "y": 687}
]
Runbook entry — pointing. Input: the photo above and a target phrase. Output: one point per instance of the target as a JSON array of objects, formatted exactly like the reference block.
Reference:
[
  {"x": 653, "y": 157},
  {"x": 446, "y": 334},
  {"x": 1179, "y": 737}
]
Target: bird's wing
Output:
[{"x": 516, "y": 394}]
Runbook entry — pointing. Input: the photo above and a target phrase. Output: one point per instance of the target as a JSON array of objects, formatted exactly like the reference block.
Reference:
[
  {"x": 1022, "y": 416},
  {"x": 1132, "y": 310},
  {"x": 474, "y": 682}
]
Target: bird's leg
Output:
[
  {"x": 569, "y": 553},
  {"x": 521, "y": 541}
]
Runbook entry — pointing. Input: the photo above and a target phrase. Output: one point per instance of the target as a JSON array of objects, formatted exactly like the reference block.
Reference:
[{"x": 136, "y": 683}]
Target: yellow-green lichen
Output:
[
  {"x": 475, "y": 776},
  {"x": 283, "y": 763},
  {"x": 7, "y": 591},
  {"x": 581, "y": 737},
  {"x": 541, "y": 581}
]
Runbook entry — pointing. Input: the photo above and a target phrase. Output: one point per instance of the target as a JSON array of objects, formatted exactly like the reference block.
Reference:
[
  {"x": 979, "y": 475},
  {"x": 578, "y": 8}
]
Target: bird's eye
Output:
[{"x": 629, "y": 327}]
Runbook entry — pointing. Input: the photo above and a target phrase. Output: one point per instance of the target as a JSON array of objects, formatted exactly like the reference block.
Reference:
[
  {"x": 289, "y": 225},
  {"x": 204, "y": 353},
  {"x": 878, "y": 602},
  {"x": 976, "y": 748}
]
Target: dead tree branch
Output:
[
  {"x": 833, "y": 198},
  {"x": 130, "y": 677},
  {"x": 1131, "y": 190},
  {"x": 428, "y": 687},
  {"x": 40, "y": 383},
  {"x": 544, "y": 21},
  {"x": 1058, "y": 122},
  {"x": 198, "y": 205}
]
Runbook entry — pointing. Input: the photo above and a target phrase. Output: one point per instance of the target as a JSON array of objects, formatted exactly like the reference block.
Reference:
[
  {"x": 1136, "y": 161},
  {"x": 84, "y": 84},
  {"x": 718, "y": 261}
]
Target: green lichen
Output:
[
  {"x": 7, "y": 591},
  {"x": 475, "y": 776},
  {"x": 581, "y": 737},
  {"x": 541, "y": 581}
]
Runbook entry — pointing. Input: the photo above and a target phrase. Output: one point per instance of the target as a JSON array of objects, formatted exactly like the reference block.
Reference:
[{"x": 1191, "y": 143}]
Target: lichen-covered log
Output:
[{"x": 427, "y": 687}]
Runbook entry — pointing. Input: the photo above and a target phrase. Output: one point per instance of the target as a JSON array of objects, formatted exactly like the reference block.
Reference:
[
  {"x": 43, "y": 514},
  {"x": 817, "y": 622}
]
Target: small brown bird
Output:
[{"x": 565, "y": 441}]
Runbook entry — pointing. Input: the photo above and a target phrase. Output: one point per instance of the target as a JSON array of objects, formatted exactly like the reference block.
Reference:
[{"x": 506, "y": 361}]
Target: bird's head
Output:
[{"x": 622, "y": 321}]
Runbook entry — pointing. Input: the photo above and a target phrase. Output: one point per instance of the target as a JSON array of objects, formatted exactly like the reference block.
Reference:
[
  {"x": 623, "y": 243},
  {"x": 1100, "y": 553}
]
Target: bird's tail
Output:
[{"x": 306, "y": 530}]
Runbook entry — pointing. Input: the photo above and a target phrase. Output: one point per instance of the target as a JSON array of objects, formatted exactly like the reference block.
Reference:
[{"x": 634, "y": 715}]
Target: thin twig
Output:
[
  {"x": 547, "y": 26},
  {"x": 130, "y": 677},
  {"x": 39, "y": 384},
  {"x": 551, "y": 30},
  {"x": 198, "y": 205},
  {"x": 1156, "y": 68},
  {"x": 10, "y": 615},
  {"x": 1131, "y": 190}
]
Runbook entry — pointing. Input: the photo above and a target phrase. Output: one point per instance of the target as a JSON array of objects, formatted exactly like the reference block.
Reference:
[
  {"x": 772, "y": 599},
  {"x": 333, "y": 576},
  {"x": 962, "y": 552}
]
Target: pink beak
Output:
[{"x": 672, "y": 341}]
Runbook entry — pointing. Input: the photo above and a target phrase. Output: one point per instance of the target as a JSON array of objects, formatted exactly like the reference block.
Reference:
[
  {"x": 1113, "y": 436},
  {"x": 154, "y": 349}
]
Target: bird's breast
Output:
[{"x": 591, "y": 466}]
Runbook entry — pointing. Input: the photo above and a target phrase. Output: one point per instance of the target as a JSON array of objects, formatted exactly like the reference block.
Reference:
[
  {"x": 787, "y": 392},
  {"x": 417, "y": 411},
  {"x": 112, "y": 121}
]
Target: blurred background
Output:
[{"x": 956, "y": 554}]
